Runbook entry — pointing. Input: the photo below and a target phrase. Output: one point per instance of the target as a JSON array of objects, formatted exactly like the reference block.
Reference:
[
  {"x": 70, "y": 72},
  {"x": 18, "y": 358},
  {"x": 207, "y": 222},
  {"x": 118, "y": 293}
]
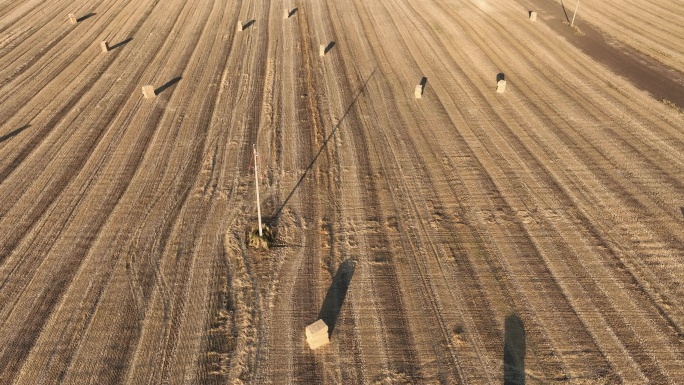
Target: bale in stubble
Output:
[
  {"x": 533, "y": 15},
  {"x": 419, "y": 91},
  {"x": 501, "y": 86},
  {"x": 317, "y": 334},
  {"x": 72, "y": 18},
  {"x": 148, "y": 92},
  {"x": 104, "y": 46}
]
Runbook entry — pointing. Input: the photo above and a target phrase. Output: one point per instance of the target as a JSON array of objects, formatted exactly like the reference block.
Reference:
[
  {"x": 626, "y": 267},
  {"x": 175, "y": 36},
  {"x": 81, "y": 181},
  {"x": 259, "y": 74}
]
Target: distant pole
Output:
[
  {"x": 572, "y": 23},
  {"x": 256, "y": 182}
]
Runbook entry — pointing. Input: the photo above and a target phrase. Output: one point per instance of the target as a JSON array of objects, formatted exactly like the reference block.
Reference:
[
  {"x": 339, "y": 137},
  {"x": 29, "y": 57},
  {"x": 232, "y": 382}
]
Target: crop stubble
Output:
[{"x": 123, "y": 220}]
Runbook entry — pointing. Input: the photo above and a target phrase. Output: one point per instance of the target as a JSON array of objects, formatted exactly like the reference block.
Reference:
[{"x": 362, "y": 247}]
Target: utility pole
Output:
[
  {"x": 256, "y": 182},
  {"x": 572, "y": 23}
]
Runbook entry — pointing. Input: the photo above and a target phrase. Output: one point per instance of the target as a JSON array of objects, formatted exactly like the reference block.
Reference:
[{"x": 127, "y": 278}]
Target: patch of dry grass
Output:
[
  {"x": 262, "y": 242},
  {"x": 672, "y": 105},
  {"x": 574, "y": 28}
]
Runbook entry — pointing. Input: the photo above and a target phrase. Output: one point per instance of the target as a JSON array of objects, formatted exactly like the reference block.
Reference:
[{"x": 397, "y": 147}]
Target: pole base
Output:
[{"x": 264, "y": 241}]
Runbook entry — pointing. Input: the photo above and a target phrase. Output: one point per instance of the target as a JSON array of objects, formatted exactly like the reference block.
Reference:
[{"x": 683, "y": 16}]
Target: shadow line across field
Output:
[
  {"x": 565, "y": 12},
  {"x": 13, "y": 133},
  {"x": 325, "y": 144}
]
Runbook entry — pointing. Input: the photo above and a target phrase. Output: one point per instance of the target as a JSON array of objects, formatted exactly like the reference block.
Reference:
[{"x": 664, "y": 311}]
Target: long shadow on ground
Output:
[
  {"x": 514, "y": 351},
  {"x": 325, "y": 144},
  {"x": 121, "y": 43},
  {"x": 13, "y": 133},
  {"x": 167, "y": 85},
  {"x": 646, "y": 73},
  {"x": 84, "y": 17},
  {"x": 330, "y": 310}
]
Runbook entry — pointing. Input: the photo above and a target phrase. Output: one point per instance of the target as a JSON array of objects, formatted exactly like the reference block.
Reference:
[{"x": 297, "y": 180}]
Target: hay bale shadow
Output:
[
  {"x": 167, "y": 85},
  {"x": 334, "y": 299},
  {"x": 329, "y": 47},
  {"x": 84, "y": 17},
  {"x": 423, "y": 83},
  {"x": 248, "y": 24},
  {"x": 514, "y": 351},
  {"x": 121, "y": 43}
]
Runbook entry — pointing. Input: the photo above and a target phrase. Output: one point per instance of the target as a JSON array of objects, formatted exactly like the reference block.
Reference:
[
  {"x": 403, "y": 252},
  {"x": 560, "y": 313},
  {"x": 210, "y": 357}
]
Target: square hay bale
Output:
[
  {"x": 321, "y": 50},
  {"x": 240, "y": 26},
  {"x": 148, "y": 92},
  {"x": 316, "y": 328},
  {"x": 315, "y": 344},
  {"x": 419, "y": 91},
  {"x": 286, "y": 14},
  {"x": 501, "y": 86},
  {"x": 533, "y": 15},
  {"x": 72, "y": 18},
  {"x": 104, "y": 46},
  {"x": 317, "y": 334}
]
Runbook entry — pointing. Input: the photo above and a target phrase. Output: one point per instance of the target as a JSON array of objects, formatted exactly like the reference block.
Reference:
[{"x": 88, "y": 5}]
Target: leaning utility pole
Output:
[
  {"x": 256, "y": 182},
  {"x": 572, "y": 23}
]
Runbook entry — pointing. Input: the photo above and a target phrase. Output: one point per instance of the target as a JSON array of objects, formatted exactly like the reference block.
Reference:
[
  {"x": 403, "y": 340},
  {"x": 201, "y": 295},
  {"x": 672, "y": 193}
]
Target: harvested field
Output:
[
  {"x": 655, "y": 27},
  {"x": 466, "y": 236}
]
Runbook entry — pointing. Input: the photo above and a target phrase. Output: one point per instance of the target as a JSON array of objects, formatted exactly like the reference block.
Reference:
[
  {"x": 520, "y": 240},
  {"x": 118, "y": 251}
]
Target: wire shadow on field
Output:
[
  {"x": 514, "y": 351},
  {"x": 565, "y": 12},
  {"x": 330, "y": 310},
  {"x": 167, "y": 85},
  {"x": 13, "y": 133},
  {"x": 121, "y": 43},
  {"x": 325, "y": 144}
]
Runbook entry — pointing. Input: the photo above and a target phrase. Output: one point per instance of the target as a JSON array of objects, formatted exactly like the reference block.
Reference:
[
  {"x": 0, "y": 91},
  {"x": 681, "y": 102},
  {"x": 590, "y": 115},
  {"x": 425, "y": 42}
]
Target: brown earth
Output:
[
  {"x": 659, "y": 75},
  {"x": 464, "y": 237}
]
